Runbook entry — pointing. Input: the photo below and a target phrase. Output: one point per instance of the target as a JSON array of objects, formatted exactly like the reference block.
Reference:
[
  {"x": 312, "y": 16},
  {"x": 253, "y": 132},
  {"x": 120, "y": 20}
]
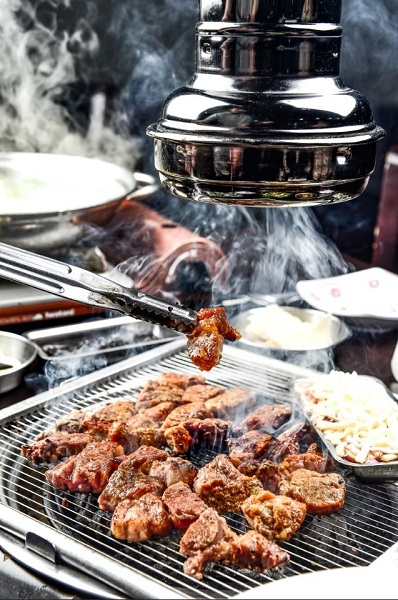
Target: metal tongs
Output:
[{"x": 78, "y": 284}]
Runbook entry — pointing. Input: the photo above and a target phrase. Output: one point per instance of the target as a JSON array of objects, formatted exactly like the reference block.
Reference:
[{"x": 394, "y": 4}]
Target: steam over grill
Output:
[
  {"x": 266, "y": 119},
  {"x": 70, "y": 529}
]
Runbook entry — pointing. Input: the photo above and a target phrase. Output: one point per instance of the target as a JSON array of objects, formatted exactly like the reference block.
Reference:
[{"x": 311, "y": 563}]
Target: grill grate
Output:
[{"x": 362, "y": 531}]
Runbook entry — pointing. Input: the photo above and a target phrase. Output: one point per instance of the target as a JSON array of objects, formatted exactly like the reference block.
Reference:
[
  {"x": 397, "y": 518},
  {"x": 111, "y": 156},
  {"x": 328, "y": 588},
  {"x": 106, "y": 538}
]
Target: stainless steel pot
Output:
[{"x": 46, "y": 199}]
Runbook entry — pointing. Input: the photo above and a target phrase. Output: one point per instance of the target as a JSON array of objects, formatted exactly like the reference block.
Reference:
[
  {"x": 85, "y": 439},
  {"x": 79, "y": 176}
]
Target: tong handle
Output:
[{"x": 80, "y": 285}]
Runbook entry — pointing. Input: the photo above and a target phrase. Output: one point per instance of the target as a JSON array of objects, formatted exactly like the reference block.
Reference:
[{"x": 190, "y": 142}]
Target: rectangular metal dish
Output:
[
  {"x": 73, "y": 535},
  {"x": 369, "y": 472},
  {"x": 115, "y": 338}
]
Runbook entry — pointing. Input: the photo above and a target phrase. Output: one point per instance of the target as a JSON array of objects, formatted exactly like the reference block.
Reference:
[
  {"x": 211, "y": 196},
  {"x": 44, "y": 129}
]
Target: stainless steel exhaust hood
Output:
[{"x": 266, "y": 119}]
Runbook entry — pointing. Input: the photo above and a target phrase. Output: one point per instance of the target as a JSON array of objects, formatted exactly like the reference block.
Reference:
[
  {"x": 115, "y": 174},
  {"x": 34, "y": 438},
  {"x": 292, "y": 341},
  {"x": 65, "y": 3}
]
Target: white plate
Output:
[
  {"x": 357, "y": 583},
  {"x": 368, "y": 293}
]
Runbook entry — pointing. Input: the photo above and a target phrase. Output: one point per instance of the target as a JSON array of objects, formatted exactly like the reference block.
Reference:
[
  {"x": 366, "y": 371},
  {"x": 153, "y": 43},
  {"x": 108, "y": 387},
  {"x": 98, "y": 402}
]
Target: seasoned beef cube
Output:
[
  {"x": 232, "y": 404},
  {"x": 120, "y": 410},
  {"x": 139, "y": 520},
  {"x": 99, "y": 423},
  {"x": 173, "y": 470},
  {"x": 72, "y": 422},
  {"x": 178, "y": 439},
  {"x": 208, "y": 539},
  {"x": 154, "y": 393},
  {"x": 323, "y": 493},
  {"x": 133, "y": 438},
  {"x": 55, "y": 447},
  {"x": 201, "y": 392},
  {"x": 313, "y": 460},
  {"x": 211, "y": 433},
  {"x": 251, "y": 446},
  {"x": 276, "y": 517},
  {"x": 267, "y": 418},
  {"x": 88, "y": 471},
  {"x": 128, "y": 482},
  {"x": 222, "y": 486},
  {"x": 255, "y": 552},
  {"x": 144, "y": 456},
  {"x": 159, "y": 412},
  {"x": 270, "y": 474},
  {"x": 180, "y": 380},
  {"x": 183, "y": 505},
  {"x": 205, "y": 341},
  {"x": 192, "y": 410}
]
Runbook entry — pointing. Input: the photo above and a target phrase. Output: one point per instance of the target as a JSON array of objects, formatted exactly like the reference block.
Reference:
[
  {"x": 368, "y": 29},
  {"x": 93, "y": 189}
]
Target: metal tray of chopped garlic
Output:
[{"x": 356, "y": 416}]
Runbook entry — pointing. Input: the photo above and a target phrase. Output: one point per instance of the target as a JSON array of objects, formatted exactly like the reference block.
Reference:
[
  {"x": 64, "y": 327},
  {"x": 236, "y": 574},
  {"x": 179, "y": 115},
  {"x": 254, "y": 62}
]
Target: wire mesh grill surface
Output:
[{"x": 361, "y": 532}]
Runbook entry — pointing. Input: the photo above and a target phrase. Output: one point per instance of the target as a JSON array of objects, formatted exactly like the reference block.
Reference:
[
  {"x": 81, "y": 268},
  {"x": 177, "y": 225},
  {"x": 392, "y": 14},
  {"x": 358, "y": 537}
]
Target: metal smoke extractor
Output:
[{"x": 266, "y": 119}]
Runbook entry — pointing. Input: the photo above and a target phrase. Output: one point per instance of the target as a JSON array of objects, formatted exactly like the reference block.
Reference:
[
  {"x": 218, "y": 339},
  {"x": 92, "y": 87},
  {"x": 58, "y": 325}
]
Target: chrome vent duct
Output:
[{"x": 266, "y": 120}]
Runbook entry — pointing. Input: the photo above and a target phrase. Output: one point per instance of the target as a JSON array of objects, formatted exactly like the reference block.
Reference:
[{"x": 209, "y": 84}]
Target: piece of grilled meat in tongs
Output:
[{"x": 206, "y": 329}]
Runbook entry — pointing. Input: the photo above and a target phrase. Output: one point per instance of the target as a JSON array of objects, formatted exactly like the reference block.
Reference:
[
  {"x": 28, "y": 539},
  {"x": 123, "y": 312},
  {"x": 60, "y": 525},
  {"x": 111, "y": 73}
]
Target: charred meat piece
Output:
[
  {"x": 168, "y": 387},
  {"x": 222, "y": 486},
  {"x": 99, "y": 423},
  {"x": 180, "y": 380},
  {"x": 178, "y": 439},
  {"x": 131, "y": 438},
  {"x": 55, "y": 447},
  {"x": 251, "y": 446},
  {"x": 139, "y": 520},
  {"x": 232, "y": 404},
  {"x": 313, "y": 460},
  {"x": 209, "y": 433},
  {"x": 144, "y": 456},
  {"x": 255, "y": 552},
  {"x": 201, "y": 392},
  {"x": 270, "y": 474},
  {"x": 73, "y": 422},
  {"x": 208, "y": 539},
  {"x": 323, "y": 493},
  {"x": 128, "y": 483},
  {"x": 88, "y": 471},
  {"x": 276, "y": 517},
  {"x": 183, "y": 505},
  {"x": 267, "y": 418},
  {"x": 206, "y": 340},
  {"x": 192, "y": 410},
  {"x": 159, "y": 412},
  {"x": 173, "y": 470}
]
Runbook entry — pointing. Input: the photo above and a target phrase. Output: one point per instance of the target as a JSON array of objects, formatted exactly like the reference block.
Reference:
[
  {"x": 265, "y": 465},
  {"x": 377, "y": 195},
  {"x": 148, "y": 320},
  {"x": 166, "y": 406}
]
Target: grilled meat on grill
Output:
[
  {"x": 275, "y": 517},
  {"x": 169, "y": 387},
  {"x": 132, "y": 438},
  {"x": 209, "y": 539},
  {"x": 139, "y": 520},
  {"x": 252, "y": 446},
  {"x": 191, "y": 410},
  {"x": 73, "y": 422},
  {"x": 255, "y": 552},
  {"x": 55, "y": 447},
  {"x": 201, "y": 392},
  {"x": 209, "y": 433},
  {"x": 178, "y": 439},
  {"x": 232, "y": 404},
  {"x": 173, "y": 470},
  {"x": 267, "y": 418},
  {"x": 128, "y": 483},
  {"x": 183, "y": 505},
  {"x": 222, "y": 486},
  {"x": 323, "y": 493},
  {"x": 88, "y": 471}
]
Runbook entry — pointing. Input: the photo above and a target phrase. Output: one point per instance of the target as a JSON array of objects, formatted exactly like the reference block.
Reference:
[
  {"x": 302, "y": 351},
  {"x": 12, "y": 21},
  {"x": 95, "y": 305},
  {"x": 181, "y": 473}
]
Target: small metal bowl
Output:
[
  {"x": 331, "y": 330},
  {"x": 16, "y": 355}
]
